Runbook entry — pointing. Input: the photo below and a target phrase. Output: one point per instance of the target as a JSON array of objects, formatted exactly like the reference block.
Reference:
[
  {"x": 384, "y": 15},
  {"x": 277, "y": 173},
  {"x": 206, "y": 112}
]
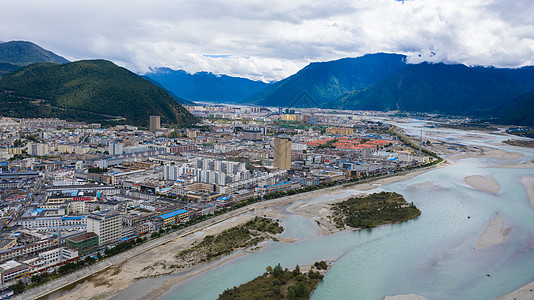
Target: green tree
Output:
[
  {"x": 18, "y": 287},
  {"x": 278, "y": 271}
]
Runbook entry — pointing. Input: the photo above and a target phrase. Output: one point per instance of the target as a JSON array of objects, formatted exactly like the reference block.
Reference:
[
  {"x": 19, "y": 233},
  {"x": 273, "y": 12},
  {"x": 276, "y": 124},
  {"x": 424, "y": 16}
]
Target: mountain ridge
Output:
[
  {"x": 87, "y": 90},
  {"x": 23, "y": 53}
]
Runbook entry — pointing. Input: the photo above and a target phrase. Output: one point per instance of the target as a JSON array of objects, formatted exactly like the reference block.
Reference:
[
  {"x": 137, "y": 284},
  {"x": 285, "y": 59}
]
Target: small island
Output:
[
  {"x": 373, "y": 210},
  {"x": 278, "y": 283},
  {"x": 247, "y": 235}
]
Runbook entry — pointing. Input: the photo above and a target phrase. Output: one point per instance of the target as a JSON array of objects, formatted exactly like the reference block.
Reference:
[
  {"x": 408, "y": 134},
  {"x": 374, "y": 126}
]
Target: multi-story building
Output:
[
  {"x": 207, "y": 170},
  {"x": 85, "y": 243},
  {"x": 57, "y": 223},
  {"x": 28, "y": 249},
  {"x": 107, "y": 225},
  {"x": 282, "y": 152},
  {"x": 251, "y": 134},
  {"x": 37, "y": 149},
  {"x": 56, "y": 256},
  {"x": 116, "y": 148},
  {"x": 174, "y": 217},
  {"x": 12, "y": 270}
]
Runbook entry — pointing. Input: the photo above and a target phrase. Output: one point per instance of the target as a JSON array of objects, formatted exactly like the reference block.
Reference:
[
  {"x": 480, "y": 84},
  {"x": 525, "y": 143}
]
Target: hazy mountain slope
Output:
[
  {"x": 178, "y": 99},
  {"x": 518, "y": 112},
  {"x": 205, "y": 86}
]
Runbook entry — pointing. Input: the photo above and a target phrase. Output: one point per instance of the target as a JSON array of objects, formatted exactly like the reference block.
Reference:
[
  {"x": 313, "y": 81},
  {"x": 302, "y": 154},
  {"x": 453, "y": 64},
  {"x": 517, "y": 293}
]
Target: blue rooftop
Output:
[
  {"x": 173, "y": 214},
  {"x": 279, "y": 183},
  {"x": 72, "y": 218}
]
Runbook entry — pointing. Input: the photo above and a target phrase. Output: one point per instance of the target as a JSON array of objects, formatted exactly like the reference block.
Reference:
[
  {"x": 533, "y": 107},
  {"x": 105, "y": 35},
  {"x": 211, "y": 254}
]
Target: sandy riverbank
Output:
[
  {"x": 528, "y": 182},
  {"x": 525, "y": 292},
  {"x": 155, "y": 262},
  {"x": 483, "y": 183},
  {"x": 493, "y": 234},
  {"x": 405, "y": 297}
]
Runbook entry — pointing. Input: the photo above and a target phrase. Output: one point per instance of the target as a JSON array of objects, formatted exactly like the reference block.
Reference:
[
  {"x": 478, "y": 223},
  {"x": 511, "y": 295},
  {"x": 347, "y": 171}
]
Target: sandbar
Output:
[
  {"x": 483, "y": 183},
  {"x": 425, "y": 185},
  {"x": 528, "y": 182},
  {"x": 493, "y": 234}
]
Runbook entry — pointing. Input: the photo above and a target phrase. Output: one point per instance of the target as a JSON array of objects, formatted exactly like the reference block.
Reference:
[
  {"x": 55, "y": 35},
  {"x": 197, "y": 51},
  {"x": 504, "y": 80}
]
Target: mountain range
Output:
[
  {"x": 385, "y": 82},
  {"x": 91, "y": 90},
  {"x": 204, "y": 86},
  {"x": 319, "y": 83},
  {"x": 37, "y": 82},
  {"x": 441, "y": 88}
]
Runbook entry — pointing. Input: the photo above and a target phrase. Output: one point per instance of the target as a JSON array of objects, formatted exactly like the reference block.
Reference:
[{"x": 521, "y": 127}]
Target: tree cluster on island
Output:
[
  {"x": 278, "y": 283},
  {"x": 373, "y": 210}
]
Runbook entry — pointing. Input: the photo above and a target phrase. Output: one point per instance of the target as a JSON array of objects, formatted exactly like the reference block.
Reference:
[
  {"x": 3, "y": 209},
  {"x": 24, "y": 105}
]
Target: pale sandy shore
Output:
[
  {"x": 493, "y": 234},
  {"x": 525, "y": 292},
  {"x": 528, "y": 182},
  {"x": 405, "y": 297},
  {"x": 483, "y": 183}
]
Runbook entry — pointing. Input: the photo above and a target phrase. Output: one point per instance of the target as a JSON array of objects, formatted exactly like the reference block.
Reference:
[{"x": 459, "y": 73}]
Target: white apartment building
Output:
[
  {"x": 206, "y": 170},
  {"x": 107, "y": 225},
  {"x": 52, "y": 257},
  {"x": 59, "y": 223}
]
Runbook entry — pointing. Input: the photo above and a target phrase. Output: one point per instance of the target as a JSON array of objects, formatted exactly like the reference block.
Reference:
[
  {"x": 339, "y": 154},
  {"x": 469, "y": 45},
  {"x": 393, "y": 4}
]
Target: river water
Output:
[{"x": 432, "y": 256}]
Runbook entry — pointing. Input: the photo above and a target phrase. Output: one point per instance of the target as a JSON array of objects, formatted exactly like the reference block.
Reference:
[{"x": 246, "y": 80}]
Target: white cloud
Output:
[{"x": 271, "y": 40}]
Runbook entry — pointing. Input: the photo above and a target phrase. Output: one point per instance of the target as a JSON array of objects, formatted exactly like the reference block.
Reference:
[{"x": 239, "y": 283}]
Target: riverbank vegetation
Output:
[
  {"x": 373, "y": 210},
  {"x": 278, "y": 283},
  {"x": 247, "y": 235}
]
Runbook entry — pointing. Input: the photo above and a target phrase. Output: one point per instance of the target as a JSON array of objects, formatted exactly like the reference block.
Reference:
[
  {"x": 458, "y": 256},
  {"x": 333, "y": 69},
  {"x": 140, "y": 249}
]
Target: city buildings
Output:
[{"x": 53, "y": 196}]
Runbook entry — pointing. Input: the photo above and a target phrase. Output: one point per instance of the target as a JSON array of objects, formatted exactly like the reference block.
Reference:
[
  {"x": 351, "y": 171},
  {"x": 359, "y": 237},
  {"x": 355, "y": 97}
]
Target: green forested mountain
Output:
[
  {"x": 442, "y": 88},
  {"x": 322, "y": 82},
  {"x": 518, "y": 112},
  {"x": 22, "y": 53},
  {"x": 92, "y": 91}
]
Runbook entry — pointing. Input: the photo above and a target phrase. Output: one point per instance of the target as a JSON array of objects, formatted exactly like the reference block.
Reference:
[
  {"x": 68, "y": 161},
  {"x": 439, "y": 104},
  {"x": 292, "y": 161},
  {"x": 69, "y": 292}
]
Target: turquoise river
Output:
[{"x": 433, "y": 256}]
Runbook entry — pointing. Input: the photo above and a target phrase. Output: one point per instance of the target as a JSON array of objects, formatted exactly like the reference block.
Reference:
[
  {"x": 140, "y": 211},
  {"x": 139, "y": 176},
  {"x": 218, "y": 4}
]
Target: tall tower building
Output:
[
  {"x": 282, "y": 152},
  {"x": 155, "y": 123}
]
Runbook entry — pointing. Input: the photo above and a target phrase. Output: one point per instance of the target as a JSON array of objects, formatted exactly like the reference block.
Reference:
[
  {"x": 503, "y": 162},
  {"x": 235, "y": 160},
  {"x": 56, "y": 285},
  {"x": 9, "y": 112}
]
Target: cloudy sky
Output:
[{"x": 270, "y": 40}]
